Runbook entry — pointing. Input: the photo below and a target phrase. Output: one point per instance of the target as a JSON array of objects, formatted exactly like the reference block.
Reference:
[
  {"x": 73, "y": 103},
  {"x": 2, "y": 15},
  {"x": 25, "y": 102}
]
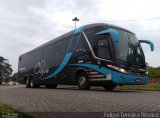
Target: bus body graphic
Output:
[{"x": 97, "y": 54}]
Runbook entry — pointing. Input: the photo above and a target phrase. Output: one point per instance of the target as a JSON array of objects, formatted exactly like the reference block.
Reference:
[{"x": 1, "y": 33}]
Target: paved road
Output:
[{"x": 46, "y": 101}]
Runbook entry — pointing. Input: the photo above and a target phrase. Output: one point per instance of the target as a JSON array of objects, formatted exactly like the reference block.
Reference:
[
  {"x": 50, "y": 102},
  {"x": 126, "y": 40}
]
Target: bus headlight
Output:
[
  {"x": 118, "y": 69},
  {"x": 122, "y": 70},
  {"x": 147, "y": 72}
]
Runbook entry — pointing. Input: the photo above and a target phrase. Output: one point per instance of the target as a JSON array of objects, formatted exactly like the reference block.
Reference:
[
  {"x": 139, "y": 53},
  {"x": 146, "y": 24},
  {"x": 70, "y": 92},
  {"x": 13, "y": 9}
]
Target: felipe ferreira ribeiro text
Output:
[{"x": 131, "y": 114}]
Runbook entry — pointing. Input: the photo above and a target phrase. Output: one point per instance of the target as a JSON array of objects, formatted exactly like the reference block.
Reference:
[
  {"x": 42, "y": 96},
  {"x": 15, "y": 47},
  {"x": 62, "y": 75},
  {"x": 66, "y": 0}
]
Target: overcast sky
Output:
[{"x": 26, "y": 24}]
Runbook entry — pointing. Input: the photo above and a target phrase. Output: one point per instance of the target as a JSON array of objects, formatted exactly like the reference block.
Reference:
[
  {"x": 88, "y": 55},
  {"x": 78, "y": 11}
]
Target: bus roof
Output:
[{"x": 71, "y": 32}]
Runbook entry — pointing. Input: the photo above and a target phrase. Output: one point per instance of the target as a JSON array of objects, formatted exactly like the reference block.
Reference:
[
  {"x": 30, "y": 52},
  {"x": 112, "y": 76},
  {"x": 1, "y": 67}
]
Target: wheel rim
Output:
[
  {"x": 31, "y": 83},
  {"x": 27, "y": 82},
  {"x": 82, "y": 81}
]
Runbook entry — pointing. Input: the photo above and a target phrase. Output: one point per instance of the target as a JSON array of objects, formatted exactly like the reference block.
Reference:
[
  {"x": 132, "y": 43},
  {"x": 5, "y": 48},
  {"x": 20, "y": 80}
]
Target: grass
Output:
[
  {"x": 5, "y": 108},
  {"x": 8, "y": 112},
  {"x": 149, "y": 86}
]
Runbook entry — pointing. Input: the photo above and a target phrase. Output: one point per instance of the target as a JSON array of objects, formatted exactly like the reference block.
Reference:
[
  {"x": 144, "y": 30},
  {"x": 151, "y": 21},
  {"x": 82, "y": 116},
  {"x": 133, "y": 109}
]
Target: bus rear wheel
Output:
[
  {"x": 27, "y": 83},
  {"x": 83, "y": 82},
  {"x": 32, "y": 84},
  {"x": 51, "y": 86},
  {"x": 109, "y": 87}
]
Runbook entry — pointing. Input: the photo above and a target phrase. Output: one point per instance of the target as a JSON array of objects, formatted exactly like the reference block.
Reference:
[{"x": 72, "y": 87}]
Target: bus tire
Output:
[
  {"x": 27, "y": 82},
  {"x": 53, "y": 86},
  {"x": 32, "y": 83},
  {"x": 83, "y": 82},
  {"x": 109, "y": 87}
]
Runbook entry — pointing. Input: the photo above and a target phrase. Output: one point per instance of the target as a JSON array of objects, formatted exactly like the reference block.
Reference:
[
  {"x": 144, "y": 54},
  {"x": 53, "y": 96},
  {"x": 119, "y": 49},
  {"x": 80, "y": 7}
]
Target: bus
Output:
[{"x": 97, "y": 54}]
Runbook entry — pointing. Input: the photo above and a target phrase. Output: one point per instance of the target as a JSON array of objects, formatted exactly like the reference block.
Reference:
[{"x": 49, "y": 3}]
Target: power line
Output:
[{"x": 135, "y": 20}]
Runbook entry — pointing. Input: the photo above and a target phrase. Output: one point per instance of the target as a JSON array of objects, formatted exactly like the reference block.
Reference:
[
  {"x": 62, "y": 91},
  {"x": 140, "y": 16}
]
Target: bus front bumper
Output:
[{"x": 125, "y": 79}]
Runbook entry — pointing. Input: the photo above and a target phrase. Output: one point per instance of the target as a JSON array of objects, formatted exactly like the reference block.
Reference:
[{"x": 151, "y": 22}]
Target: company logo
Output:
[{"x": 40, "y": 68}]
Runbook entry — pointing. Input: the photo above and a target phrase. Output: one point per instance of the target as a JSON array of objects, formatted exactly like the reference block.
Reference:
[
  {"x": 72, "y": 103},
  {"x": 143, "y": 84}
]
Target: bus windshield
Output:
[{"x": 129, "y": 49}]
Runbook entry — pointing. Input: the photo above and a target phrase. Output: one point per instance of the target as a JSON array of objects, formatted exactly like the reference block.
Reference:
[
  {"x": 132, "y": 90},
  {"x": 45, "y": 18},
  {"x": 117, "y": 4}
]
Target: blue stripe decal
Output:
[
  {"x": 76, "y": 42},
  {"x": 67, "y": 56},
  {"x": 116, "y": 76},
  {"x": 63, "y": 64},
  {"x": 78, "y": 30},
  {"x": 113, "y": 32},
  {"x": 102, "y": 70},
  {"x": 70, "y": 43}
]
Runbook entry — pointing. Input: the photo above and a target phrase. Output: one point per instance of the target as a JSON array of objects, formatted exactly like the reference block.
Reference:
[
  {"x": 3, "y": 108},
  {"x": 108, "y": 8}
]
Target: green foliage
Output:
[
  {"x": 5, "y": 69},
  {"x": 5, "y": 108},
  {"x": 7, "y": 79},
  {"x": 8, "y": 112},
  {"x": 154, "y": 72},
  {"x": 14, "y": 77},
  {"x": 149, "y": 86}
]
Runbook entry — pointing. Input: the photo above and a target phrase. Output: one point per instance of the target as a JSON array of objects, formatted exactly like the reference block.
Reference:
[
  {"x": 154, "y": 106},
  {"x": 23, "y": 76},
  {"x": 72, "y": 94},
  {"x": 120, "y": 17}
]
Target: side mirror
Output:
[
  {"x": 148, "y": 42},
  {"x": 114, "y": 33}
]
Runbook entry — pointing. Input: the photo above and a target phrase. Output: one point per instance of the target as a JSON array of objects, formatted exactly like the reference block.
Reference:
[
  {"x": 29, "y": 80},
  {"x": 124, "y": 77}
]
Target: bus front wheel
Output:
[
  {"x": 109, "y": 87},
  {"x": 83, "y": 82}
]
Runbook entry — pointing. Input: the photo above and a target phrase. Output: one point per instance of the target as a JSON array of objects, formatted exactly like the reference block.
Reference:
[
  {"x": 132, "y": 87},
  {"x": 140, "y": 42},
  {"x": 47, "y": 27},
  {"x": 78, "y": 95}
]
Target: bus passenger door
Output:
[{"x": 105, "y": 53}]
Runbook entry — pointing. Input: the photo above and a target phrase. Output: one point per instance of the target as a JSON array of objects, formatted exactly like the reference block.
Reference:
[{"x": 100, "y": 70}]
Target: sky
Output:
[{"x": 26, "y": 24}]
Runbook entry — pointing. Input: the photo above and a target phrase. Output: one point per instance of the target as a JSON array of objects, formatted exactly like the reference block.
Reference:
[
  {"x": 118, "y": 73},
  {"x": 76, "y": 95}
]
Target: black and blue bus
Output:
[{"x": 93, "y": 55}]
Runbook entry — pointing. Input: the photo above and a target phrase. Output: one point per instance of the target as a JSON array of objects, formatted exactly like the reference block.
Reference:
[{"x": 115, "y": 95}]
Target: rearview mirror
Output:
[
  {"x": 114, "y": 33},
  {"x": 148, "y": 42}
]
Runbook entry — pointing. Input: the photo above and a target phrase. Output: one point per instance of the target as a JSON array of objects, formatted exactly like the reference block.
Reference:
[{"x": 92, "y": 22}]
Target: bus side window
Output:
[
  {"x": 64, "y": 46},
  {"x": 90, "y": 35},
  {"x": 68, "y": 39},
  {"x": 60, "y": 47},
  {"x": 38, "y": 54},
  {"x": 20, "y": 58},
  {"x": 48, "y": 51},
  {"x": 73, "y": 42},
  {"x": 80, "y": 44},
  {"x": 99, "y": 28},
  {"x": 56, "y": 49},
  {"x": 103, "y": 48},
  {"x": 29, "y": 60}
]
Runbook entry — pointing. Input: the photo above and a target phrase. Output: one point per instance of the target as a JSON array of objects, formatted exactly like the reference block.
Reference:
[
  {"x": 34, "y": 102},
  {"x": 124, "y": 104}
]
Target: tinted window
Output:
[
  {"x": 103, "y": 48},
  {"x": 98, "y": 29},
  {"x": 90, "y": 35},
  {"x": 38, "y": 54},
  {"x": 60, "y": 47},
  {"x": 20, "y": 59},
  {"x": 80, "y": 44},
  {"x": 48, "y": 51},
  {"x": 73, "y": 42},
  {"x": 27, "y": 59},
  {"x": 122, "y": 47}
]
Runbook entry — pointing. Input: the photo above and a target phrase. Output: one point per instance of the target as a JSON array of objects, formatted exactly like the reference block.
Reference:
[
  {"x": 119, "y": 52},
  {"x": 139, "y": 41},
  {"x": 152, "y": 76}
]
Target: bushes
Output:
[{"x": 154, "y": 72}]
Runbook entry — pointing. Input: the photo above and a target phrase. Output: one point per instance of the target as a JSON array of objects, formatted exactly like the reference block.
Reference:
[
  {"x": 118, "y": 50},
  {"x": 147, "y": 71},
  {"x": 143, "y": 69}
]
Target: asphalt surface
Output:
[{"x": 71, "y": 102}]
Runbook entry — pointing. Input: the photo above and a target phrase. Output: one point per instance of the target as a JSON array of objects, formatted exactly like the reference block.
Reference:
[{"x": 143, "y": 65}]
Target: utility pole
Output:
[{"x": 75, "y": 20}]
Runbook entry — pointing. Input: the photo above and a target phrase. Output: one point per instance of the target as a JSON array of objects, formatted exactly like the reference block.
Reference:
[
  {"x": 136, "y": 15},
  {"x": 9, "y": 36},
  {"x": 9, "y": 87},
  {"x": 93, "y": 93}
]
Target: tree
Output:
[
  {"x": 14, "y": 77},
  {"x": 5, "y": 69}
]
